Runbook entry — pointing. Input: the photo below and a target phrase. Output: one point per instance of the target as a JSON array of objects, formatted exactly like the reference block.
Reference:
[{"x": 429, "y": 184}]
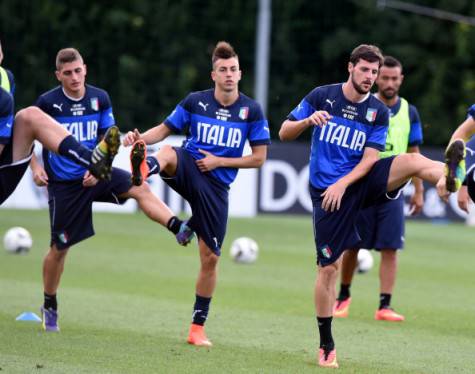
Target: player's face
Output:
[
  {"x": 363, "y": 75},
  {"x": 72, "y": 76},
  {"x": 226, "y": 74},
  {"x": 389, "y": 81}
]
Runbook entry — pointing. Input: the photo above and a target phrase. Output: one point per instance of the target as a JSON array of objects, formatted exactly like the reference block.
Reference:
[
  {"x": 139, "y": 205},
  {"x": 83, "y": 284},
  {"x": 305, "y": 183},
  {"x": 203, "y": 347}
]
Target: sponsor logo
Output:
[
  {"x": 58, "y": 106},
  {"x": 204, "y": 106},
  {"x": 330, "y": 102}
]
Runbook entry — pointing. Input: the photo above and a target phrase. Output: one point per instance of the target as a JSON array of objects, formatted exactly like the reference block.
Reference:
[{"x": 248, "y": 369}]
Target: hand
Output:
[
  {"x": 332, "y": 196},
  {"x": 89, "y": 180},
  {"x": 319, "y": 118},
  {"x": 40, "y": 177},
  {"x": 442, "y": 189},
  {"x": 416, "y": 203},
  {"x": 209, "y": 162},
  {"x": 463, "y": 199},
  {"x": 131, "y": 137}
]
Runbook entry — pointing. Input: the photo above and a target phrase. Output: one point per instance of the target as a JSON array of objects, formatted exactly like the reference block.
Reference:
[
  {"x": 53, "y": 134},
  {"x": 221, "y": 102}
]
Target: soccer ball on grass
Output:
[
  {"x": 244, "y": 250},
  {"x": 17, "y": 240},
  {"x": 365, "y": 261}
]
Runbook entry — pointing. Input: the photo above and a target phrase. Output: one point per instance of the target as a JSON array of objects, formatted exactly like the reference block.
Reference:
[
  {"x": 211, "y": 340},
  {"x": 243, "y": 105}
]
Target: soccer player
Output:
[
  {"x": 463, "y": 133},
  {"x": 16, "y": 144},
  {"x": 346, "y": 174},
  {"x": 86, "y": 112},
  {"x": 217, "y": 123},
  {"x": 381, "y": 226},
  {"x": 7, "y": 81}
]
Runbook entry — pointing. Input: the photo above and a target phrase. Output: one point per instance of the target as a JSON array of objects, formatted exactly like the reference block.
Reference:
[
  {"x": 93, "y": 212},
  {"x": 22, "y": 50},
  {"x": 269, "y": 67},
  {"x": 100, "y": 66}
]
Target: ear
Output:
[
  {"x": 85, "y": 69},
  {"x": 58, "y": 75},
  {"x": 213, "y": 75},
  {"x": 402, "y": 78},
  {"x": 350, "y": 67}
]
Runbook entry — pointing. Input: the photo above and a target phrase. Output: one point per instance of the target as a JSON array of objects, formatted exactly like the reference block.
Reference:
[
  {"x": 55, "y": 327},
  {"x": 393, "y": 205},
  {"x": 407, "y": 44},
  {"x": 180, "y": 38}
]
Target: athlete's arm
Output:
[
  {"x": 291, "y": 130},
  {"x": 39, "y": 174},
  {"x": 463, "y": 198},
  {"x": 151, "y": 136},
  {"x": 1, "y": 148},
  {"x": 334, "y": 193},
  {"x": 417, "y": 199},
  {"x": 465, "y": 130},
  {"x": 254, "y": 160}
]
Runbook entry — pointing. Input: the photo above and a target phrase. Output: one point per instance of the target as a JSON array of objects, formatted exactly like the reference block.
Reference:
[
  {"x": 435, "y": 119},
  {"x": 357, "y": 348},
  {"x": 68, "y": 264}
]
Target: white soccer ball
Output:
[
  {"x": 17, "y": 240},
  {"x": 244, "y": 250},
  {"x": 365, "y": 260}
]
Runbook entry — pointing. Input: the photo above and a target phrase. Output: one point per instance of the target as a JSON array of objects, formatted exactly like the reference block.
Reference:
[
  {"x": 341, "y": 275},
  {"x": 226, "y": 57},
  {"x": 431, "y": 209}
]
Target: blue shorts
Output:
[
  {"x": 11, "y": 172},
  {"x": 381, "y": 226},
  {"x": 70, "y": 206},
  {"x": 336, "y": 231},
  {"x": 207, "y": 197}
]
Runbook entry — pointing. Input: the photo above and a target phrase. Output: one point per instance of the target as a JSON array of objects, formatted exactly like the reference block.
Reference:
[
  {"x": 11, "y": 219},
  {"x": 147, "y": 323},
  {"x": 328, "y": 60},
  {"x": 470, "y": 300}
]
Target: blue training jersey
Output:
[
  {"x": 87, "y": 119},
  {"x": 338, "y": 146},
  {"x": 217, "y": 129},
  {"x": 6, "y": 117}
]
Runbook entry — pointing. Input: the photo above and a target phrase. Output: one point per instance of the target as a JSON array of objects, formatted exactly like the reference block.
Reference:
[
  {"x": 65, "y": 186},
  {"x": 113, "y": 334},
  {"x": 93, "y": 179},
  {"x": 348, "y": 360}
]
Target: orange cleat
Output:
[
  {"x": 198, "y": 337},
  {"x": 342, "y": 308},
  {"x": 387, "y": 314},
  {"x": 327, "y": 360},
  {"x": 138, "y": 162}
]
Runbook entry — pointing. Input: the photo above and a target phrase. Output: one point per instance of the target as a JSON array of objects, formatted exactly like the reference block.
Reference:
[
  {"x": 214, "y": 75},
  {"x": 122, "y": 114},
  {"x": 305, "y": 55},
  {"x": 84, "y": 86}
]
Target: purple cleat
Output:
[
  {"x": 185, "y": 235},
  {"x": 50, "y": 320}
]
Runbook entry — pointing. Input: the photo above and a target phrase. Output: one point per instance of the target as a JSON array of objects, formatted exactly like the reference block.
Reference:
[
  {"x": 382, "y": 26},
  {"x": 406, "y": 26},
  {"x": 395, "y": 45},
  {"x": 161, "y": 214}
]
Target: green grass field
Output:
[{"x": 126, "y": 298}]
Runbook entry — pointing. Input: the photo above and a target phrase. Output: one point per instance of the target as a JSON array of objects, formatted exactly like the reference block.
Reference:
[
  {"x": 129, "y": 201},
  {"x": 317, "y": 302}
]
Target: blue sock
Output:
[
  {"x": 200, "y": 310},
  {"x": 153, "y": 165},
  {"x": 73, "y": 150}
]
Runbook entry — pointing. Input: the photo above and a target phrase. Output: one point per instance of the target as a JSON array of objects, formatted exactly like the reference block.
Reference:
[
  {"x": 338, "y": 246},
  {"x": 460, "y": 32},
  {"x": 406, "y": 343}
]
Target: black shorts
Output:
[
  {"x": 381, "y": 226},
  {"x": 336, "y": 231},
  {"x": 207, "y": 197},
  {"x": 70, "y": 206},
  {"x": 11, "y": 172},
  {"x": 471, "y": 183}
]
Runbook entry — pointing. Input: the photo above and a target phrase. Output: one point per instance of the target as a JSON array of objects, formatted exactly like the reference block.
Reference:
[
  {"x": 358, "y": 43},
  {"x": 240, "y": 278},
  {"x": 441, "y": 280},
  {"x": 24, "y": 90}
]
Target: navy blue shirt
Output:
[
  {"x": 87, "y": 119},
  {"x": 338, "y": 146},
  {"x": 219, "y": 130},
  {"x": 6, "y": 117}
]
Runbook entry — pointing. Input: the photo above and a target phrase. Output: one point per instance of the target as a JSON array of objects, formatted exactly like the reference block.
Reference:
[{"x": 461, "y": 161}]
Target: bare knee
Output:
[
  {"x": 167, "y": 159},
  {"x": 56, "y": 255},
  {"x": 209, "y": 261},
  {"x": 389, "y": 255},
  {"x": 329, "y": 272},
  {"x": 138, "y": 192},
  {"x": 28, "y": 115}
]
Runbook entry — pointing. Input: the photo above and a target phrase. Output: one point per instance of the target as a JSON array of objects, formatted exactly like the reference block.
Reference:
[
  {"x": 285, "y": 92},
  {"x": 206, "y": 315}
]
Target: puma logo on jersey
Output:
[
  {"x": 330, "y": 102},
  {"x": 204, "y": 106},
  {"x": 59, "y": 107}
]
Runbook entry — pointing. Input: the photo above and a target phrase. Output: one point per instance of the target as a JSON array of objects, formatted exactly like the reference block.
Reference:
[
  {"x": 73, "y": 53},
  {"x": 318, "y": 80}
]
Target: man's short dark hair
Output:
[
  {"x": 67, "y": 55},
  {"x": 392, "y": 62},
  {"x": 366, "y": 52},
  {"x": 223, "y": 50}
]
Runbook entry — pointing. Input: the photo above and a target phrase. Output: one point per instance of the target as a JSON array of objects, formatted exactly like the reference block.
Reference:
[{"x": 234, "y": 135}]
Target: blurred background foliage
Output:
[{"x": 149, "y": 54}]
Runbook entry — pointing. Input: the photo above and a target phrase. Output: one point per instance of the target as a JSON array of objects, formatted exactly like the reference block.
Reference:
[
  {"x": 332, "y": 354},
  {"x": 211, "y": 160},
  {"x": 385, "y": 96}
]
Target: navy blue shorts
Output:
[
  {"x": 381, "y": 226},
  {"x": 471, "y": 184},
  {"x": 70, "y": 206},
  {"x": 336, "y": 231},
  {"x": 207, "y": 197},
  {"x": 11, "y": 172}
]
